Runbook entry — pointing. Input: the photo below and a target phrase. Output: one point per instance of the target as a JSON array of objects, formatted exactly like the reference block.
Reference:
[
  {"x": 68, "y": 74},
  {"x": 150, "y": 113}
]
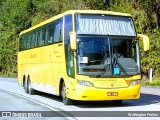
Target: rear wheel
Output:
[
  {"x": 117, "y": 102},
  {"x": 65, "y": 100},
  {"x": 26, "y": 86},
  {"x": 31, "y": 91}
]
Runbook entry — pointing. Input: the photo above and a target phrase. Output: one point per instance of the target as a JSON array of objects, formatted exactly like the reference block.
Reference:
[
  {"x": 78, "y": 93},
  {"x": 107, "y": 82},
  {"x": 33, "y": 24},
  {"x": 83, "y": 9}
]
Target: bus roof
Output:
[{"x": 75, "y": 12}]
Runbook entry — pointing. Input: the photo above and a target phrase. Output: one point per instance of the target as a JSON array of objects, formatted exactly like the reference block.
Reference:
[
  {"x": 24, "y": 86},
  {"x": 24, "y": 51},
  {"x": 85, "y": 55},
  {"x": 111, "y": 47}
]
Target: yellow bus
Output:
[{"x": 86, "y": 55}]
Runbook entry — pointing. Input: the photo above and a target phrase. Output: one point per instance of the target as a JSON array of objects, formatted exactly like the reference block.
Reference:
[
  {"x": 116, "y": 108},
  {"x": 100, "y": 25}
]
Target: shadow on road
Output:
[
  {"x": 49, "y": 96},
  {"x": 146, "y": 99}
]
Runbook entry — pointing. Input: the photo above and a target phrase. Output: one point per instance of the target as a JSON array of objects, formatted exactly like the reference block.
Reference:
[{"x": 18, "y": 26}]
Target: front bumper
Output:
[{"x": 85, "y": 93}]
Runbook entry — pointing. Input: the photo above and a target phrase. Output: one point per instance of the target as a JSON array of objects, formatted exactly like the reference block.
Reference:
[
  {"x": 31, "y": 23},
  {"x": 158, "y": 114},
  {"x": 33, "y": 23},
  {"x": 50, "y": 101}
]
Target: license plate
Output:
[{"x": 112, "y": 94}]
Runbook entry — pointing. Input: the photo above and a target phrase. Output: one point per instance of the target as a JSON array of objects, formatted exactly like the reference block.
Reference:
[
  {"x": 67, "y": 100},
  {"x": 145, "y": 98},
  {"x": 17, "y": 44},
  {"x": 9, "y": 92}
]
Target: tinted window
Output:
[{"x": 45, "y": 35}]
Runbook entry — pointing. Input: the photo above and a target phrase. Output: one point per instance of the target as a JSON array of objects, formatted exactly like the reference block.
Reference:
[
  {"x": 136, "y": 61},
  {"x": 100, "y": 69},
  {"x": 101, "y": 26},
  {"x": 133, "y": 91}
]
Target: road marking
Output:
[{"x": 63, "y": 113}]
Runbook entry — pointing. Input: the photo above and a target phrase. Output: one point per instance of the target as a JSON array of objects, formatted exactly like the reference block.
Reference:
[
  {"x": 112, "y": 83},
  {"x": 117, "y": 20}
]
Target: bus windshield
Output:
[{"x": 104, "y": 56}]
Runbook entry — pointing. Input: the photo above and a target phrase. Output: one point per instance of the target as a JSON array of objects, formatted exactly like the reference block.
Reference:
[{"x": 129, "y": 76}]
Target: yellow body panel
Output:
[{"x": 44, "y": 65}]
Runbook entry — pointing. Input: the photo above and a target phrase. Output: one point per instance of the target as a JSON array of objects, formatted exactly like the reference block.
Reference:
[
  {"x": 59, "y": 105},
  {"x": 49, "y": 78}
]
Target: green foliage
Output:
[
  {"x": 14, "y": 18},
  {"x": 46, "y": 9},
  {"x": 154, "y": 83},
  {"x": 17, "y": 15},
  {"x": 135, "y": 9},
  {"x": 151, "y": 58},
  {"x": 96, "y": 4},
  {"x": 157, "y": 73}
]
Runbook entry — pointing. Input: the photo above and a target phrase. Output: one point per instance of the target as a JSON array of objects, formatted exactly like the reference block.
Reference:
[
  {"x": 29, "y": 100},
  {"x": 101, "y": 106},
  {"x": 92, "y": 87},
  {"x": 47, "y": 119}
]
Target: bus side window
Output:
[
  {"x": 50, "y": 39},
  {"x": 36, "y": 39},
  {"x": 41, "y": 38},
  {"x": 28, "y": 42},
  {"x": 24, "y": 40},
  {"x": 57, "y": 31},
  {"x": 43, "y": 35},
  {"x": 32, "y": 40},
  {"x": 46, "y": 34},
  {"x": 60, "y": 32}
]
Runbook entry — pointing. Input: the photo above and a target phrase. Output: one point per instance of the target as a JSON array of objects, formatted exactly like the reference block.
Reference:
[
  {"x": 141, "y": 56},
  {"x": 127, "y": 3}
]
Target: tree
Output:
[{"x": 14, "y": 18}]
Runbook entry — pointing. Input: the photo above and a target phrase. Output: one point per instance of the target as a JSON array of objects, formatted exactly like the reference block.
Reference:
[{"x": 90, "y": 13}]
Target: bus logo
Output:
[{"x": 112, "y": 85}]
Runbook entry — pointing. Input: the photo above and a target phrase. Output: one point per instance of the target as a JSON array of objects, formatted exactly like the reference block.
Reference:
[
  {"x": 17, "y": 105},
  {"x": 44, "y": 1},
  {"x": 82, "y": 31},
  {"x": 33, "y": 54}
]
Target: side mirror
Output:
[
  {"x": 145, "y": 41},
  {"x": 73, "y": 42}
]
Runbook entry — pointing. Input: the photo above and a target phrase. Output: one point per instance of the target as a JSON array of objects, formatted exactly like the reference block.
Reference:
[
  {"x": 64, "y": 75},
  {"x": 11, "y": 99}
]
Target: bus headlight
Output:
[
  {"x": 85, "y": 83},
  {"x": 135, "y": 82}
]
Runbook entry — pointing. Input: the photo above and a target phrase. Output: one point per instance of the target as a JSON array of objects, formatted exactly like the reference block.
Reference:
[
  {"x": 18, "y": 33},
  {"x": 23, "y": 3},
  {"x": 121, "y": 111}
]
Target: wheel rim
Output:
[
  {"x": 26, "y": 86},
  {"x": 63, "y": 93}
]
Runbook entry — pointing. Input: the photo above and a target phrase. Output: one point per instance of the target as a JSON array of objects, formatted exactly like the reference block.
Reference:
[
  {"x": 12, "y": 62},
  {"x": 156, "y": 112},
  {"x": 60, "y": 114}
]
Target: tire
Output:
[
  {"x": 23, "y": 84},
  {"x": 31, "y": 91},
  {"x": 117, "y": 102},
  {"x": 26, "y": 86},
  {"x": 65, "y": 100}
]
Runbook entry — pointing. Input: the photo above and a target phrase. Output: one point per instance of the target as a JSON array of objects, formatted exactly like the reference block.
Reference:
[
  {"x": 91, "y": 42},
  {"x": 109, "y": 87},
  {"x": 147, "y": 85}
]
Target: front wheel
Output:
[{"x": 65, "y": 100}]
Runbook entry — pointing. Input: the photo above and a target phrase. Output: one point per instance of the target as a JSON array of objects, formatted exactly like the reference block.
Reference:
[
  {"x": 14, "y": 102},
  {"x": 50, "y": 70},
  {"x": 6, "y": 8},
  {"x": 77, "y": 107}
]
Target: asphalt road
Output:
[
  {"x": 31, "y": 110},
  {"x": 13, "y": 102},
  {"x": 148, "y": 104}
]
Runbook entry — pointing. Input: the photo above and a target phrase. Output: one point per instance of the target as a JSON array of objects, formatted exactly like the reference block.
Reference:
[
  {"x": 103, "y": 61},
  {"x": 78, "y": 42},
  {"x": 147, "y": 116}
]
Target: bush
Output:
[
  {"x": 157, "y": 73},
  {"x": 154, "y": 83}
]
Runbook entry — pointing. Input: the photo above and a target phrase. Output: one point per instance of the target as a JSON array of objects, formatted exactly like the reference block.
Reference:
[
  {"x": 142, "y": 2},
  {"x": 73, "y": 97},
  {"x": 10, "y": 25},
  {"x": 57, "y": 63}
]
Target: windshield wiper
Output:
[
  {"x": 102, "y": 71},
  {"x": 105, "y": 62},
  {"x": 120, "y": 66}
]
